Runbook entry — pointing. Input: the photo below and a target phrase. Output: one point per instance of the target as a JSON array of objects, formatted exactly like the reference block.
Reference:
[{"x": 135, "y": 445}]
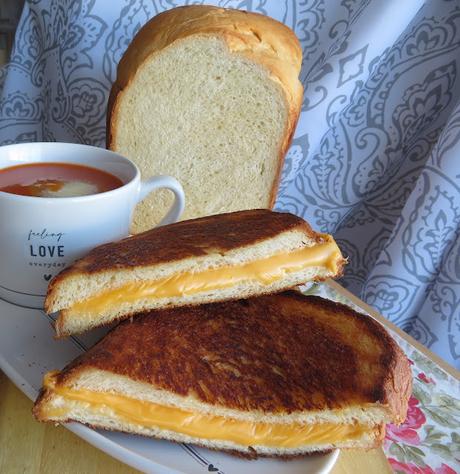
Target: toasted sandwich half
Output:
[
  {"x": 214, "y": 258},
  {"x": 275, "y": 375}
]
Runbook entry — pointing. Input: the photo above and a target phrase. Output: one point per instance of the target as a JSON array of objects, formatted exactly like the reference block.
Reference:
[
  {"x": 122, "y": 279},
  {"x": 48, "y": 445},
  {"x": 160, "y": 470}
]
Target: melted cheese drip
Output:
[
  {"x": 198, "y": 425},
  {"x": 265, "y": 272}
]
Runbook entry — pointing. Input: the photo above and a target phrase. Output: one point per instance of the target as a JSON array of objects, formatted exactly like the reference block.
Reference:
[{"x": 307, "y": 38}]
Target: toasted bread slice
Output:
[
  {"x": 210, "y": 96},
  {"x": 276, "y": 375},
  {"x": 214, "y": 258}
]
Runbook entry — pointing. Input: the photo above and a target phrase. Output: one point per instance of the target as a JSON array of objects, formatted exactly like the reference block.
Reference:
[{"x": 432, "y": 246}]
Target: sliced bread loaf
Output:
[{"x": 210, "y": 96}]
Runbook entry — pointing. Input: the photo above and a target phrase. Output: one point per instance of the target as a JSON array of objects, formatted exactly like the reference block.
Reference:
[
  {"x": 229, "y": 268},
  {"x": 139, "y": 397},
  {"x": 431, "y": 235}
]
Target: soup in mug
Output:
[{"x": 56, "y": 180}]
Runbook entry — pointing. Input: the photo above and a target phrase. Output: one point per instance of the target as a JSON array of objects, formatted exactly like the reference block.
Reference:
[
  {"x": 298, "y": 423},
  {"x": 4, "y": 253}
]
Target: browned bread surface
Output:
[
  {"x": 280, "y": 354},
  {"x": 192, "y": 238}
]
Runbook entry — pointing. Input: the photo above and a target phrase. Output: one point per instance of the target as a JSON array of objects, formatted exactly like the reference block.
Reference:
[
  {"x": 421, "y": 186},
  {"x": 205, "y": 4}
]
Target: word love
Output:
[{"x": 46, "y": 250}]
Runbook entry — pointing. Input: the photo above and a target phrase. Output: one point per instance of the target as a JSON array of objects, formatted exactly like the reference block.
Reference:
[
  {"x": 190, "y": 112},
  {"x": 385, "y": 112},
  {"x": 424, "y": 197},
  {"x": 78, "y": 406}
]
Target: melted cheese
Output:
[
  {"x": 265, "y": 272},
  {"x": 199, "y": 425}
]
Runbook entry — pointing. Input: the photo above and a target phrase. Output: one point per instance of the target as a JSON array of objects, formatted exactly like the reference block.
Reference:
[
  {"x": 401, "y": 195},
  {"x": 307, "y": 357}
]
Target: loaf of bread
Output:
[{"x": 210, "y": 96}]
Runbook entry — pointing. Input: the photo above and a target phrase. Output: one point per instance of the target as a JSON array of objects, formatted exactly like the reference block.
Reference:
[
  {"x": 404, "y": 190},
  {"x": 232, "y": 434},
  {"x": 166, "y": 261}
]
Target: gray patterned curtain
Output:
[{"x": 376, "y": 156}]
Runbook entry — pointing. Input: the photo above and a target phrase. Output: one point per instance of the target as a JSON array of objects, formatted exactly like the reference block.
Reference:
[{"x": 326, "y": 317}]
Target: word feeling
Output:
[{"x": 44, "y": 234}]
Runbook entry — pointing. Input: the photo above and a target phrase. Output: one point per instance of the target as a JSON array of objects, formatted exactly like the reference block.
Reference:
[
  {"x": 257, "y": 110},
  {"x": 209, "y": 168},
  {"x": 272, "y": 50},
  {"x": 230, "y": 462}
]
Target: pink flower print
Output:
[
  {"x": 406, "y": 433},
  {"x": 425, "y": 379},
  {"x": 415, "y": 416}
]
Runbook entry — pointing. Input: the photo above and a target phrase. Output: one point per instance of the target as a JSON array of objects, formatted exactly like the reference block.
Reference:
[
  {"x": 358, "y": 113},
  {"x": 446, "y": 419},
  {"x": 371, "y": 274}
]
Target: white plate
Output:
[{"x": 28, "y": 350}]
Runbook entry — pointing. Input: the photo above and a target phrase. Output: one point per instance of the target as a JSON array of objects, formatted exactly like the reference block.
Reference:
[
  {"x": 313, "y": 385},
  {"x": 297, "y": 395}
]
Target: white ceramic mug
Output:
[{"x": 40, "y": 236}]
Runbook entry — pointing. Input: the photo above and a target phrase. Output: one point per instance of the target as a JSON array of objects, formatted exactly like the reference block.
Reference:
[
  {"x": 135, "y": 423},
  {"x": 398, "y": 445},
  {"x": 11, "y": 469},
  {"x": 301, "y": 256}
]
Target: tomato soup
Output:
[{"x": 56, "y": 180}]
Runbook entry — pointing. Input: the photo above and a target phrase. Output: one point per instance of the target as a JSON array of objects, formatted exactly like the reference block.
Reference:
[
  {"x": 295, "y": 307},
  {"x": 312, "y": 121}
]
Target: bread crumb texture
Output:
[{"x": 213, "y": 119}]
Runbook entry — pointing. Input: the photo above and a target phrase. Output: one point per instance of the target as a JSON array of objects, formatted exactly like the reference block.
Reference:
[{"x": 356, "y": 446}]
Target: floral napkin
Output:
[{"x": 429, "y": 440}]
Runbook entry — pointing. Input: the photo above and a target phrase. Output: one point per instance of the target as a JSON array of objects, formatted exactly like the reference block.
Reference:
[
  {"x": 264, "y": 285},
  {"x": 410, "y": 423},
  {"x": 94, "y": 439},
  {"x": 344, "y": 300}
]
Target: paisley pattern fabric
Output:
[{"x": 374, "y": 156}]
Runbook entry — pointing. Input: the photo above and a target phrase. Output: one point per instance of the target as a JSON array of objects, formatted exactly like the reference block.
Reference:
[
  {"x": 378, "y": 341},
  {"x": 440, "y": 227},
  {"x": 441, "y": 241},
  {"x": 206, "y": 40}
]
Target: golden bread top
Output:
[
  {"x": 256, "y": 36},
  {"x": 279, "y": 354}
]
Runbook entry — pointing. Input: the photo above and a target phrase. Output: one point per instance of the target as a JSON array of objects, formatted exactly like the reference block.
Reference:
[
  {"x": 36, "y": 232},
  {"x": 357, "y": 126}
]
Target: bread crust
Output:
[
  {"x": 257, "y": 37},
  {"x": 282, "y": 354},
  {"x": 186, "y": 239}
]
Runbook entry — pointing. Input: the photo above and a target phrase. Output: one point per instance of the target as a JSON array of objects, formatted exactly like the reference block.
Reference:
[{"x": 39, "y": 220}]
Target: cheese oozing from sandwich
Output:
[
  {"x": 265, "y": 272},
  {"x": 198, "y": 425}
]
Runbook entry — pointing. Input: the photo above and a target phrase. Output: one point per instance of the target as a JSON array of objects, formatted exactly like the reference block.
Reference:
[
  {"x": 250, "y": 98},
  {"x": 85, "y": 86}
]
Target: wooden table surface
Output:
[{"x": 34, "y": 448}]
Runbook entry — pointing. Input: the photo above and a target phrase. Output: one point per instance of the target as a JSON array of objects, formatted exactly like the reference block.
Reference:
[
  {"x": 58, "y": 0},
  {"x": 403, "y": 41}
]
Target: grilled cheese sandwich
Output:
[
  {"x": 276, "y": 375},
  {"x": 216, "y": 258}
]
